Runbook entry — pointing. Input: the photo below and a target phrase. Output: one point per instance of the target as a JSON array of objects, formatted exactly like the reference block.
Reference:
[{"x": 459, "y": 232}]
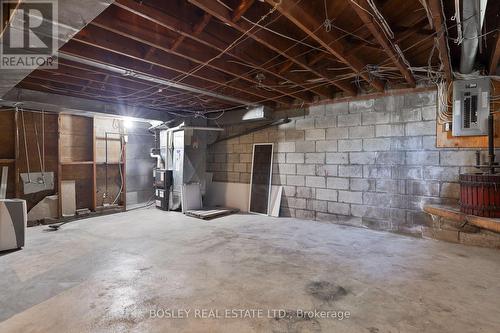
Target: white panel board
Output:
[
  {"x": 37, "y": 182},
  {"x": 68, "y": 197}
]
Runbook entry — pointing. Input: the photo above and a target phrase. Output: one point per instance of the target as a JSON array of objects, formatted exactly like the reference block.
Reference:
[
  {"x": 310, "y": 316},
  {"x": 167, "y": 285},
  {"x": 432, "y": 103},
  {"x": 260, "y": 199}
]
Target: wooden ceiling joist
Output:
[
  {"x": 328, "y": 40},
  {"x": 365, "y": 13},
  {"x": 241, "y": 9},
  {"x": 207, "y": 58},
  {"x": 416, "y": 28},
  {"x": 495, "y": 55},
  {"x": 270, "y": 40},
  {"x": 197, "y": 29},
  {"x": 208, "y": 41},
  {"x": 442, "y": 44},
  {"x": 119, "y": 42},
  {"x": 114, "y": 90},
  {"x": 116, "y": 55}
]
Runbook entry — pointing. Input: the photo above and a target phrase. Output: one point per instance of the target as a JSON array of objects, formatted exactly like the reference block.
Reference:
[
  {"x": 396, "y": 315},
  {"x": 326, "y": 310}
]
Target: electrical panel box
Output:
[{"x": 471, "y": 107}]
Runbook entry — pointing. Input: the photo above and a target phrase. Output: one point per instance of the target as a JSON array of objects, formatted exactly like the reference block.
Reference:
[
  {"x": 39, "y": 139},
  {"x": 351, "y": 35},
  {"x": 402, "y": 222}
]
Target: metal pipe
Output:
[
  {"x": 258, "y": 128},
  {"x": 146, "y": 77},
  {"x": 491, "y": 143},
  {"x": 473, "y": 16},
  {"x": 478, "y": 159}
]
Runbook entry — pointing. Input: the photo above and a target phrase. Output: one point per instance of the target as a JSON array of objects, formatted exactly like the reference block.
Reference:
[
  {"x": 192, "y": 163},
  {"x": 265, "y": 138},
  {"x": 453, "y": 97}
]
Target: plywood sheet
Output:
[
  {"x": 7, "y": 137},
  {"x": 83, "y": 177},
  {"x": 106, "y": 194},
  {"x": 76, "y": 136},
  {"x": 68, "y": 197}
]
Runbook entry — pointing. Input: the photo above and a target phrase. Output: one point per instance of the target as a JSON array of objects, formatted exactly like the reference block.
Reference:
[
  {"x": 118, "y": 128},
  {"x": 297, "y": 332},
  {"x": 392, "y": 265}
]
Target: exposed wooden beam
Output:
[
  {"x": 416, "y": 28},
  {"x": 436, "y": 10},
  {"x": 286, "y": 66},
  {"x": 270, "y": 40},
  {"x": 317, "y": 58},
  {"x": 241, "y": 9},
  {"x": 355, "y": 46},
  {"x": 201, "y": 57},
  {"x": 495, "y": 55},
  {"x": 197, "y": 29},
  {"x": 366, "y": 14},
  {"x": 118, "y": 40},
  {"x": 211, "y": 42},
  {"x": 304, "y": 20}
]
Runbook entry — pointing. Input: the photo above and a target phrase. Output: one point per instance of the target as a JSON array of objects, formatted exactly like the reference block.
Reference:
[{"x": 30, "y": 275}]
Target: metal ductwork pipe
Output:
[{"x": 473, "y": 12}]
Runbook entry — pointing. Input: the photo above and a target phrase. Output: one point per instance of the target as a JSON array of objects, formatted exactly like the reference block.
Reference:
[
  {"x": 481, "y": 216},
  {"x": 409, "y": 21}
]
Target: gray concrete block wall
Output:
[{"x": 369, "y": 163}]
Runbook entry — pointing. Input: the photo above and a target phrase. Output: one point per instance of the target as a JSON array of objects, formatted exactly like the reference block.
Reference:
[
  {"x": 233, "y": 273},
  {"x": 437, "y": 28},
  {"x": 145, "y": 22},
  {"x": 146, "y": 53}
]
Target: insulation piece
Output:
[{"x": 191, "y": 197}]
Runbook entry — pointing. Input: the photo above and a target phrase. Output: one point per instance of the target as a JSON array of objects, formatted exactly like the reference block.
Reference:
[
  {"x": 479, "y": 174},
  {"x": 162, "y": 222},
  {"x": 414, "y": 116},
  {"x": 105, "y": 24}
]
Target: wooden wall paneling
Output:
[
  {"x": 108, "y": 181},
  {"x": 112, "y": 144},
  {"x": 76, "y": 134},
  {"x": 82, "y": 174},
  {"x": 28, "y": 157},
  {"x": 108, "y": 155},
  {"x": 8, "y": 149},
  {"x": 7, "y": 128}
]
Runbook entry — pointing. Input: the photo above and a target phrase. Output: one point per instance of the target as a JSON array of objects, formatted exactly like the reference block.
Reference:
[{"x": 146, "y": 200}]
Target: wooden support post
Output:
[
  {"x": 59, "y": 166},
  {"x": 16, "y": 164},
  {"x": 439, "y": 25},
  {"x": 94, "y": 169},
  {"x": 364, "y": 11}
]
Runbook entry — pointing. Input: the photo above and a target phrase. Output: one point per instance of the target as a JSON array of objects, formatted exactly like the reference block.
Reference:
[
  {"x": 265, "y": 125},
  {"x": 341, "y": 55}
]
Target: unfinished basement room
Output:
[{"x": 283, "y": 166}]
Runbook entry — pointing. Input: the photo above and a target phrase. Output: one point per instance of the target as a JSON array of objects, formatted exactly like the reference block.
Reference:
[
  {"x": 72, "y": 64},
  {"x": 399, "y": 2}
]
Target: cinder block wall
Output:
[{"x": 370, "y": 163}]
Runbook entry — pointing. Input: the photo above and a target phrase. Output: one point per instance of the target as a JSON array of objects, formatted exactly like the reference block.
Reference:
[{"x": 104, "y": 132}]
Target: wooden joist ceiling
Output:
[{"x": 281, "y": 54}]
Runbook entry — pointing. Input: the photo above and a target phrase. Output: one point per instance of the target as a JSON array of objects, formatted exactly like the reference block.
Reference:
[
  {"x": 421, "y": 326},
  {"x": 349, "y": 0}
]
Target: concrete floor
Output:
[{"x": 106, "y": 274}]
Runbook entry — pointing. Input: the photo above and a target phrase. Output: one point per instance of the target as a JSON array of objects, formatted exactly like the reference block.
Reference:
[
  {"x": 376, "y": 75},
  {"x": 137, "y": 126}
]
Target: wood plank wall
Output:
[{"x": 69, "y": 153}]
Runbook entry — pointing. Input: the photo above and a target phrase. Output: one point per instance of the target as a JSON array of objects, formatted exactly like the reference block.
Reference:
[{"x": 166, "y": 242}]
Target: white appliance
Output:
[{"x": 13, "y": 220}]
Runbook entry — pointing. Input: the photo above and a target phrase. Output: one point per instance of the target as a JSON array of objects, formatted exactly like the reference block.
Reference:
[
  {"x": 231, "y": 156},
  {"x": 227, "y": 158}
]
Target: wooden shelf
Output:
[
  {"x": 454, "y": 214},
  {"x": 109, "y": 163},
  {"x": 7, "y": 160},
  {"x": 77, "y": 163}
]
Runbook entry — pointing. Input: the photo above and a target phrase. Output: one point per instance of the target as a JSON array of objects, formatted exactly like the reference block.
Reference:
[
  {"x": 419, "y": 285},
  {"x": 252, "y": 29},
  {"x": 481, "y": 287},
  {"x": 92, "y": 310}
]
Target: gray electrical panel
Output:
[{"x": 471, "y": 107}]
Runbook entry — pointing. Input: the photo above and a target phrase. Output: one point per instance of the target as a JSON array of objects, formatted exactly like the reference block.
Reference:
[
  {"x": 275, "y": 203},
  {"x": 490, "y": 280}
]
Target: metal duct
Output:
[{"x": 473, "y": 18}]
